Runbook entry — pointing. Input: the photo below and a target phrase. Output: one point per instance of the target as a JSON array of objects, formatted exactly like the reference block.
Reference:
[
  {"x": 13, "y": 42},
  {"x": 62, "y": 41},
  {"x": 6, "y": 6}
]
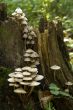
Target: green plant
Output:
[{"x": 56, "y": 91}]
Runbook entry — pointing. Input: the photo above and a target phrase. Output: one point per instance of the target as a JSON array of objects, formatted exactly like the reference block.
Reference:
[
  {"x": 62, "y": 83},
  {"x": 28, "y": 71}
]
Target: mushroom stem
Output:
[
  {"x": 30, "y": 91},
  {"x": 25, "y": 44},
  {"x": 55, "y": 75}
]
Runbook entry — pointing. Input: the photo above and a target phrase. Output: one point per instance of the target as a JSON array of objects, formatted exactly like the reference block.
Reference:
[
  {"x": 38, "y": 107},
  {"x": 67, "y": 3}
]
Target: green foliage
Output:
[
  {"x": 56, "y": 91},
  {"x": 49, "y": 106},
  {"x": 34, "y": 9}
]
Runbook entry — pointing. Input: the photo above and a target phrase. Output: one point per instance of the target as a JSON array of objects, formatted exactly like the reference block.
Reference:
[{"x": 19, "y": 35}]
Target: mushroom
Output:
[
  {"x": 20, "y": 90},
  {"x": 27, "y": 59},
  {"x": 13, "y": 84},
  {"x": 18, "y": 75},
  {"x": 29, "y": 51},
  {"x": 18, "y": 11},
  {"x": 11, "y": 75},
  {"x": 23, "y": 22},
  {"x": 26, "y": 68},
  {"x": 26, "y": 55},
  {"x": 18, "y": 80},
  {"x": 27, "y": 78},
  {"x": 25, "y": 30},
  {"x": 33, "y": 70},
  {"x": 38, "y": 77},
  {"x": 68, "y": 85},
  {"x": 11, "y": 80},
  {"x": 26, "y": 73},
  {"x": 34, "y": 83},
  {"x": 18, "y": 69},
  {"x": 55, "y": 68},
  {"x": 14, "y": 14},
  {"x": 25, "y": 83},
  {"x": 25, "y": 36}
]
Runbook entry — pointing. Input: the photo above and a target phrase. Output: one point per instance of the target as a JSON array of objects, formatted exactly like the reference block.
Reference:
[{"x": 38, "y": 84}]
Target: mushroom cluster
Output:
[
  {"x": 22, "y": 77},
  {"x": 27, "y": 31},
  {"x": 26, "y": 77},
  {"x": 31, "y": 57}
]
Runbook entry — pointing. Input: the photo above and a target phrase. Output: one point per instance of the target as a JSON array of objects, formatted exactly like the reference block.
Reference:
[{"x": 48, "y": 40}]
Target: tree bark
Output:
[{"x": 53, "y": 51}]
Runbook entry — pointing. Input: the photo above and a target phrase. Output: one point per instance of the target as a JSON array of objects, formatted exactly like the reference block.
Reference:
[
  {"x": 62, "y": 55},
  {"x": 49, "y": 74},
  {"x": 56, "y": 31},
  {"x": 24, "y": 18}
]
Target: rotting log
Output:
[{"x": 53, "y": 51}]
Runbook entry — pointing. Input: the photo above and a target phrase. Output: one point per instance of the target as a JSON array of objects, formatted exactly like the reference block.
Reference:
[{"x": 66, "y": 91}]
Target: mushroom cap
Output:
[
  {"x": 55, "y": 67},
  {"x": 32, "y": 33},
  {"x": 14, "y": 14},
  {"x": 29, "y": 51},
  {"x": 34, "y": 55},
  {"x": 25, "y": 36},
  {"x": 33, "y": 70},
  {"x": 21, "y": 17},
  {"x": 32, "y": 42},
  {"x": 30, "y": 37},
  {"x": 15, "y": 85},
  {"x": 26, "y": 73},
  {"x": 18, "y": 80},
  {"x": 26, "y": 68},
  {"x": 38, "y": 77},
  {"x": 24, "y": 83},
  {"x": 27, "y": 78},
  {"x": 18, "y": 69},
  {"x": 24, "y": 22},
  {"x": 25, "y": 19},
  {"x": 18, "y": 75},
  {"x": 25, "y": 30},
  {"x": 19, "y": 11},
  {"x": 11, "y": 80},
  {"x": 27, "y": 59},
  {"x": 69, "y": 83},
  {"x": 30, "y": 28},
  {"x": 26, "y": 55},
  {"x": 11, "y": 75},
  {"x": 34, "y": 83},
  {"x": 20, "y": 90}
]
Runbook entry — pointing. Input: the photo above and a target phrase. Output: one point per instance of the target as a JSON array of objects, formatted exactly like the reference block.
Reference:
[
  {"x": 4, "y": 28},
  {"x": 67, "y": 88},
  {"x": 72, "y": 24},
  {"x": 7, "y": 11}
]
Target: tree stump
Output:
[
  {"x": 11, "y": 44},
  {"x": 53, "y": 51}
]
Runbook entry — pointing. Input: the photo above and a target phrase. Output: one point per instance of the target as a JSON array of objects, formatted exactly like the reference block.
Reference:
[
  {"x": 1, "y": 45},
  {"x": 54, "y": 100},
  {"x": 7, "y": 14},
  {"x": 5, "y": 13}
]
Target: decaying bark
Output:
[
  {"x": 11, "y": 44},
  {"x": 52, "y": 51}
]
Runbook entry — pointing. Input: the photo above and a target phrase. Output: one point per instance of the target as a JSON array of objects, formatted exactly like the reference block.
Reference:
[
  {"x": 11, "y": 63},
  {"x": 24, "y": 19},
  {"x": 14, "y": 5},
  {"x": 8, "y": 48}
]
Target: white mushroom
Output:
[
  {"x": 15, "y": 85},
  {"x": 14, "y": 14},
  {"x": 34, "y": 83},
  {"x": 20, "y": 90},
  {"x": 18, "y": 69},
  {"x": 26, "y": 55},
  {"x": 69, "y": 83},
  {"x": 24, "y": 22},
  {"x": 11, "y": 74},
  {"x": 11, "y": 80},
  {"x": 25, "y": 30},
  {"x": 18, "y": 80},
  {"x": 27, "y": 59},
  {"x": 19, "y": 11},
  {"x": 18, "y": 75},
  {"x": 24, "y": 83},
  {"x": 29, "y": 51},
  {"x": 34, "y": 55},
  {"x": 55, "y": 67},
  {"x": 33, "y": 70},
  {"x": 32, "y": 42},
  {"x": 26, "y": 68},
  {"x": 30, "y": 37},
  {"x": 26, "y": 73},
  {"x": 38, "y": 77},
  {"x": 25, "y": 36},
  {"x": 27, "y": 78}
]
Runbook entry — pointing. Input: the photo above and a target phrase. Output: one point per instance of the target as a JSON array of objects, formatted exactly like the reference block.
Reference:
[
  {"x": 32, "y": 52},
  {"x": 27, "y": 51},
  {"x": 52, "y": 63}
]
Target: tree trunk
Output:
[{"x": 53, "y": 51}]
